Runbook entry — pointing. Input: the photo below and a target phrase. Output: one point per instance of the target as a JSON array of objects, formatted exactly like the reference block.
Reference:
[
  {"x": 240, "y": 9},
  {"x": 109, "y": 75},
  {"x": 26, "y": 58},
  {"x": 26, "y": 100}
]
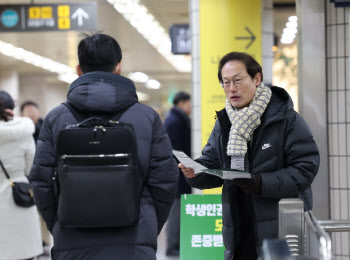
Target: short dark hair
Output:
[
  {"x": 28, "y": 103},
  {"x": 251, "y": 65},
  {"x": 181, "y": 96},
  {"x": 98, "y": 52}
]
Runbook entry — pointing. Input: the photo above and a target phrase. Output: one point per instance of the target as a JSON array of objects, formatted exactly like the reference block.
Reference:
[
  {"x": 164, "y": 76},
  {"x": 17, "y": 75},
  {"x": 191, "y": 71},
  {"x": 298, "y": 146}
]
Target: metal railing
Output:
[
  {"x": 291, "y": 223},
  {"x": 335, "y": 225},
  {"x": 317, "y": 241},
  {"x": 304, "y": 234}
]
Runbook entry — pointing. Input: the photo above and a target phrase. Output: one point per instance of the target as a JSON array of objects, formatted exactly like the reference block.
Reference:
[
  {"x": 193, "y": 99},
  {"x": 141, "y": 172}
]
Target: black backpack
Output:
[{"x": 98, "y": 173}]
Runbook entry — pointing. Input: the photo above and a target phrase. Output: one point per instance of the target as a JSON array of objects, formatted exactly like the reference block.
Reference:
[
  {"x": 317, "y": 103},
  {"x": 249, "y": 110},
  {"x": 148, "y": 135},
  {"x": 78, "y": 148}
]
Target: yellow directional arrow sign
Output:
[
  {"x": 225, "y": 26},
  {"x": 251, "y": 37}
]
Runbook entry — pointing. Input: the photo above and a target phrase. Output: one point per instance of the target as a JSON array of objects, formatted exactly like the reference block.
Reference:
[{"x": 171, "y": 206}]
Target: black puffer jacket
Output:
[
  {"x": 286, "y": 156},
  {"x": 178, "y": 127},
  {"x": 105, "y": 92}
]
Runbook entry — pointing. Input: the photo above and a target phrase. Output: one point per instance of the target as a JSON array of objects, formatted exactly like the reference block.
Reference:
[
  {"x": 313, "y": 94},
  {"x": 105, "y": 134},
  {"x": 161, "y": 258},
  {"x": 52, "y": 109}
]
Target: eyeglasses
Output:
[{"x": 237, "y": 82}]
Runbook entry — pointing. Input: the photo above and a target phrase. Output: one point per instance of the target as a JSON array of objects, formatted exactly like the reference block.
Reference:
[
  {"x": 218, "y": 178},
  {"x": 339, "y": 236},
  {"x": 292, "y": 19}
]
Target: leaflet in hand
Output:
[
  {"x": 188, "y": 162},
  {"x": 227, "y": 174}
]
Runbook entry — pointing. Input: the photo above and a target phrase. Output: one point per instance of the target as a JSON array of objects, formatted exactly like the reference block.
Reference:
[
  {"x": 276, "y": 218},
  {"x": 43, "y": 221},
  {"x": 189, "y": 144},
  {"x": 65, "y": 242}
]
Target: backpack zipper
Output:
[
  {"x": 118, "y": 155},
  {"x": 99, "y": 127}
]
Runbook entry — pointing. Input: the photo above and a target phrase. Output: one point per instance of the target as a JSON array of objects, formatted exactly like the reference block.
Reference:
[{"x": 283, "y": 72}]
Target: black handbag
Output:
[{"x": 22, "y": 192}]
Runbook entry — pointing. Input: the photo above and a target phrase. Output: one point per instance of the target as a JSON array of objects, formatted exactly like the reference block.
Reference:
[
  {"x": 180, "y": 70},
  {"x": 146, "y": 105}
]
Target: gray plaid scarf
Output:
[{"x": 244, "y": 122}]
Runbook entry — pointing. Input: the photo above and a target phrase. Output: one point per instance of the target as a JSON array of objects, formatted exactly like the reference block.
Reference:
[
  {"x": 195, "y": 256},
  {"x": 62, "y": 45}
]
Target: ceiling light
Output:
[
  {"x": 142, "y": 96},
  {"x": 139, "y": 17},
  {"x": 138, "y": 77},
  {"x": 291, "y": 24},
  {"x": 66, "y": 73},
  {"x": 293, "y": 18},
  {"x": 67, "y": 77},
  {"x": 143, "y": 78},
  {"x": 290, "y": 31},
  {"x": 153, "y": 84},
  {"x": 288, "y": 35},
  {"x": 286, "y": 41}
]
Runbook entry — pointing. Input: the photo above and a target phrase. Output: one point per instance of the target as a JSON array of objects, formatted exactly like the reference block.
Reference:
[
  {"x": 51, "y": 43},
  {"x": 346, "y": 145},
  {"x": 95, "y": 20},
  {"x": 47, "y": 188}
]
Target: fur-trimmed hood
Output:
[{"x": 15, "y": 129}]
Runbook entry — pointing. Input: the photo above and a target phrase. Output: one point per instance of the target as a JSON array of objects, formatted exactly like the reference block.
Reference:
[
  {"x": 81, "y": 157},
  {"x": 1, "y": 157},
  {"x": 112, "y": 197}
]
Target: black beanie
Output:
[{"x": 6, "y": 100}]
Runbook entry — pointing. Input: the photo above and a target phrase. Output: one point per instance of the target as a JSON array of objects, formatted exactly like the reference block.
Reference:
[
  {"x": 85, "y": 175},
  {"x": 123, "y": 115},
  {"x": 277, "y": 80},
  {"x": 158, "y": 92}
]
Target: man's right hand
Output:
[{"x": 188, "y": 172}]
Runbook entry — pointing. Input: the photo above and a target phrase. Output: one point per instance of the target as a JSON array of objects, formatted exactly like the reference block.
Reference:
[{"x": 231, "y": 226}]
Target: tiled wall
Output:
[{"x": 338, "y": 99}]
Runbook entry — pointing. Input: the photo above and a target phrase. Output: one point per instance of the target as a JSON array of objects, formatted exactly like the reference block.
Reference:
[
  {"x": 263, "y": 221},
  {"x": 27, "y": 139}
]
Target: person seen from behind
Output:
[
  {"x": 20, "y": 236},
  {"x": 101, "y": 89}
]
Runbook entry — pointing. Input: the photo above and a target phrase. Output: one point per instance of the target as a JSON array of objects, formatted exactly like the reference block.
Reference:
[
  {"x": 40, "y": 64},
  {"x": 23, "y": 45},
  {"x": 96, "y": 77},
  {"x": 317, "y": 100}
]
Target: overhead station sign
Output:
[
  {"x": 48, "y": 17},
  {"x": 180, "y": 35}
]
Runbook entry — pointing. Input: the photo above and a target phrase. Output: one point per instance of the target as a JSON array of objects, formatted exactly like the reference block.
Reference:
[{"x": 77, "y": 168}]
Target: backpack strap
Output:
[
  {"x": 80, "y": 116},
  {"x": 77, "y": 115}
]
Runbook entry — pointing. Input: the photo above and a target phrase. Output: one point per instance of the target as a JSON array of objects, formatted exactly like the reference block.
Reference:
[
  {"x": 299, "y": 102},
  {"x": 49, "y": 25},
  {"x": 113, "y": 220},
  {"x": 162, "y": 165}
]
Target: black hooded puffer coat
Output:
[
  {"x": 286, "y": 156},
  {"x": 105, "y": 92}
]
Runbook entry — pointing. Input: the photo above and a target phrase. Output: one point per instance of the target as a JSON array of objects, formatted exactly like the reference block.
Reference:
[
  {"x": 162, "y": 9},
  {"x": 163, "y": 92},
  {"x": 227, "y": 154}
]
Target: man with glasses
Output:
[{"x": 258, "y": 131}]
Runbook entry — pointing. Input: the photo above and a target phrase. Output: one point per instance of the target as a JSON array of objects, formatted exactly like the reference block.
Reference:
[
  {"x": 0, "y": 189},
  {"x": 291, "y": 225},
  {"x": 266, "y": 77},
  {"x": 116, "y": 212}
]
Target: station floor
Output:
[{"x": 160, "y": 252}]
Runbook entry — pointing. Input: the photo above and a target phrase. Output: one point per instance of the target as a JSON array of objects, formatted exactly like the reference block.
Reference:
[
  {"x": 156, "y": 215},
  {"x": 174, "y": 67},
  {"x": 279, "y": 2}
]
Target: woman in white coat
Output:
[{"x": 20, "y": 236}]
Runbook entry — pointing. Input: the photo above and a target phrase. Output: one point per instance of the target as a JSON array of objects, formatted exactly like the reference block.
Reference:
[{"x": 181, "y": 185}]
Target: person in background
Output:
[
  {"x": 178, "y": 127},
  {"x": 19, "y": 227},
  {"x": 31, "y": 109},
  {"x": 260, "y": 132}
]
